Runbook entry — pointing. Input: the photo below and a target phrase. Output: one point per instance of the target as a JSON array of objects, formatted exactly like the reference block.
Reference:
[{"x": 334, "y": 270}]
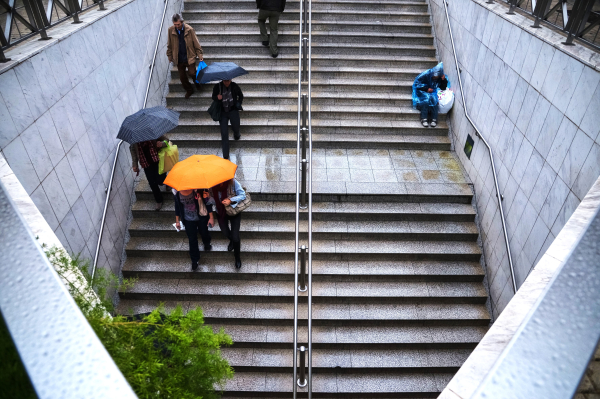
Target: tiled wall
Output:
[
  {"x": 60, "y": 111},
  {"x": 539, "y": 109}
]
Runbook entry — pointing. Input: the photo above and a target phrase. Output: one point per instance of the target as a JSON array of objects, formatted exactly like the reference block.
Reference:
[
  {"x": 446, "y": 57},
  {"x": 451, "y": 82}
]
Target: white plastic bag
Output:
[{"x": 445, "y": 100}]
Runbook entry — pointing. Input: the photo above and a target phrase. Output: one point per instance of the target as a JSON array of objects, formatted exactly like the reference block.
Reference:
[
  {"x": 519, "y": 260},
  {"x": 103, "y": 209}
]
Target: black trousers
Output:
[
  {"x": 154, "y": 179},
  {"x": 191, "y": 229},
  {"x": 234, "y": 117},
  {"x": 232, "y": 233}
]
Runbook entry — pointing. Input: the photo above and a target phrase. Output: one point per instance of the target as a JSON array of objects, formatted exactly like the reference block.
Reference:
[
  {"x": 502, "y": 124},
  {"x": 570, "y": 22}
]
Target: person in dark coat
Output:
[
  {"x": 194, "y": 210},
  {"x": 425, "y": 96},
  {"x": 231, "y": 98},
  {"x": 272, "y": 10},
  {"x": 146, "y": 155}
]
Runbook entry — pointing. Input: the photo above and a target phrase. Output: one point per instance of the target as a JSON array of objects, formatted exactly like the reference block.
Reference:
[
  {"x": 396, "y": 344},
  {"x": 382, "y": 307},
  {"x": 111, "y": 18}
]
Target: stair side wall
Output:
[
  {"x": 61, "y": 105},
  {"x": 537, "y": 103}
]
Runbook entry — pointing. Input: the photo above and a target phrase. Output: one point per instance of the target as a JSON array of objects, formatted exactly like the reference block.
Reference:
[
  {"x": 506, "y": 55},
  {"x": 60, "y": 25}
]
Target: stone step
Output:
[
  {"x": 325, "y": 230},
  {"x": 259, "y": 59},
  {"x": 350, "y": 86},
  {"x": 318, "y": 16},
  {"x": 374, "y": 293},
  {"x": 338, "y": 384},
  {"x": 326, "y": 73},
  {"x": 327, "y": 211},
  {"x": 322, "y": 249},
  {"x": 294, "y": 7},
  {"x": 271, "y": 313},
  {"x": 346, "y": 337},
  {"x": 225, "y": 47},
  {"x": 269, "y": 113},
  {"x": 346, "y": 25},
  {"x": 203, "y": 98},
  {"x": 250, "y": 33},
  {"x": 334, "y": 191},
  {"x": 403, "y": 134},
  {"x": 260, "y": 268}
]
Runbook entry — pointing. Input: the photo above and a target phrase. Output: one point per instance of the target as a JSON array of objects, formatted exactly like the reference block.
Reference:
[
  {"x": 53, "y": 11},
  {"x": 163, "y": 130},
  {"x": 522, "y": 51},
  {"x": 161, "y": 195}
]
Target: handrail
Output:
[
  {"x": 303, "y": 179},
  {"x": 498, "y": 195},
  {"x": 112, "y": 173}
]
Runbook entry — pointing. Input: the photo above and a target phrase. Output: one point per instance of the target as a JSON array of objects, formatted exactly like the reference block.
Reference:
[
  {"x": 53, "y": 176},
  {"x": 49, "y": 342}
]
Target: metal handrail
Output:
[
  {"x": 498, "y": 195},
  {"x": 303, "y": 179},
  {"x": 112, "y": 173}
]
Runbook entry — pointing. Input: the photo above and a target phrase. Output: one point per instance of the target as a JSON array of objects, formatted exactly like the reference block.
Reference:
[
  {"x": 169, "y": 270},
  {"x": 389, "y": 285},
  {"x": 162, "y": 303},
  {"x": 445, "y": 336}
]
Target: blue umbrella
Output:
[
  {"x": 148, "y": 124},
  {"x": 220, "y": 71}
]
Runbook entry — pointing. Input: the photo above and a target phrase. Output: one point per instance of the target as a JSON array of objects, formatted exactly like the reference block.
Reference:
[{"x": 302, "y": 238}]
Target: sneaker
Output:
[
  {"x": 194, "y": 266},
  {"x": 265, "y": 43},
  {"x": 275, "y": 55},
  {"x": 433, "y": 123},
  {"x": 424, "y": 122},
  {"x": 208, "y": 247},
  {"x": 230, "y": 246},
  {"x": 238, "y": 263}
]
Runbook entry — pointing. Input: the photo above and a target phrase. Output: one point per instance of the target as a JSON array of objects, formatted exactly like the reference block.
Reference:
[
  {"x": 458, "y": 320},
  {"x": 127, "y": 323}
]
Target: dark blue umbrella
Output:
[
  {"x": 220, "y": 71},
  {"x": 148, "y": 124}
]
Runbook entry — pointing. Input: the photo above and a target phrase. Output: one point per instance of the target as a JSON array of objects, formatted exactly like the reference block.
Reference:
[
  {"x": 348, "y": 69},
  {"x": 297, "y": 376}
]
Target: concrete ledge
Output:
[
  {"x": 547, "y": 34},
  {"x": 481, "y": 361},
  {"x": 32, "y": 46}
]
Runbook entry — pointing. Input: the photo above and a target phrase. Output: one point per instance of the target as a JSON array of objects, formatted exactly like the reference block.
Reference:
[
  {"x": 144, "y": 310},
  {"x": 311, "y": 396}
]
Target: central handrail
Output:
[
  {"x": 112, "y": 173},
  {"x": 498, "y": 195},
  {"x": 303, "y": 179}
]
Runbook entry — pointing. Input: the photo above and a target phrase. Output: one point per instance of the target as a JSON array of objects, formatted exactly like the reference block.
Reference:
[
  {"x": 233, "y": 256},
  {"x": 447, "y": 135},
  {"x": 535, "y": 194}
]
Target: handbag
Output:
[
  {"x": 241, "y": 206},
  {"x": 215, "y": 108},
  {"x": 445, "y": 100},
  {"x": 167, "y": 157}
]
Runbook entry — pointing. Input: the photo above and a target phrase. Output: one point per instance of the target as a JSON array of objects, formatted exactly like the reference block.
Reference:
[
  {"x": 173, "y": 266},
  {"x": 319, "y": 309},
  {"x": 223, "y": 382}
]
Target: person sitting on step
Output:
[{"x": 424, "y": 93}]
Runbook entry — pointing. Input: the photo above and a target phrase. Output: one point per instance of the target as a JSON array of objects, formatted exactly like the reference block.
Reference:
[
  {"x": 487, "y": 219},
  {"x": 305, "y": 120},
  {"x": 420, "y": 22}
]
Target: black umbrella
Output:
[
  {"x": 148, "y": 124},
  {"x": 220, "y": 71}
]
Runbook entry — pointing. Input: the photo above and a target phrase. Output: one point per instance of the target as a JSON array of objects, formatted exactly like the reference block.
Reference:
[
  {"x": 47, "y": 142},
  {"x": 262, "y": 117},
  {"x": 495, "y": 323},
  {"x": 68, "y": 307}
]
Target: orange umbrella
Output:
[{"x": 200, "y": 171}]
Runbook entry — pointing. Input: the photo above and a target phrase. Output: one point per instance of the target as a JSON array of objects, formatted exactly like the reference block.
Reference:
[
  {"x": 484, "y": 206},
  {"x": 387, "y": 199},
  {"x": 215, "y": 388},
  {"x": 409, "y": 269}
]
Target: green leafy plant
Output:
[{"x": 161, "y": 355}]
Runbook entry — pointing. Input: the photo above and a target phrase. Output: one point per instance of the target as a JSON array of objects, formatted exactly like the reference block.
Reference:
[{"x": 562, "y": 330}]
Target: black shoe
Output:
[
  {"x": 208, "y": 247},
  {"x": 230, "y": 246},
  {"x": 238, "y": 263},
  {"x": 266, "y": 44},
  {"x": 237, "y": 137},
  {"x": 194, "y": 266},
  {"x": 275, "y": 55},
  {"x": 198, "y": 86}
]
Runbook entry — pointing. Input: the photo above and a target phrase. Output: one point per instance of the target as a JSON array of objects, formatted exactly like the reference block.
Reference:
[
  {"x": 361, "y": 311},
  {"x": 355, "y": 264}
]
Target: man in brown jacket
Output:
[{"x": 183, "y": 48}]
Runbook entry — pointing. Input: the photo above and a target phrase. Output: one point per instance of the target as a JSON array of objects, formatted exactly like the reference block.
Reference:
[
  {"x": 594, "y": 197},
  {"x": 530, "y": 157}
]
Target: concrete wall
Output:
[
  {"x": 537, "y": 102},
  {"x": 61, "y": 105}
]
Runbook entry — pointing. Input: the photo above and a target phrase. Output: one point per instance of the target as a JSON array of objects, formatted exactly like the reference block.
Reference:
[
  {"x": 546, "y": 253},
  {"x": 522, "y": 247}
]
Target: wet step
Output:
[
  {"x": 365, "y": 293},
  {"x": 262, "y": 268},
  {"x": 293, "y": 6},
  {"x": 338, "y": 384},
  {"x": 269, "y": 313},
  {"x": 326, "y": 230},
  {"x": 329, "y": 211}
]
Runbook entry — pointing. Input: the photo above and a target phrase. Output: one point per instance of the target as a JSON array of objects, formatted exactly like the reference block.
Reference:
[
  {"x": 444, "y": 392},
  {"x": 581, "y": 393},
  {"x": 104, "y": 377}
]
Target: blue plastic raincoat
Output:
[{"x": 424, "y": 81}]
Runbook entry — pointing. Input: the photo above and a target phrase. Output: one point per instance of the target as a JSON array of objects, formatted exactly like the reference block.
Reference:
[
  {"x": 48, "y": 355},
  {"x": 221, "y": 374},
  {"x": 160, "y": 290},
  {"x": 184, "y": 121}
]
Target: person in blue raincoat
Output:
[{"x": 424, "y": 93}]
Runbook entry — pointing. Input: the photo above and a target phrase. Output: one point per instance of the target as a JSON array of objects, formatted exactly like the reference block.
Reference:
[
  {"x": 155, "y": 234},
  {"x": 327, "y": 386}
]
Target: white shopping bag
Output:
[
  {"x": 445, "y": 100},
  {"x": 182, "y": 227}
]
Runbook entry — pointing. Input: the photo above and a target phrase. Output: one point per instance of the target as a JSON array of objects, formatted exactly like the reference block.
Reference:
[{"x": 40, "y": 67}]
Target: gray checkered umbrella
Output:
[{"x": 148, "y": 124}]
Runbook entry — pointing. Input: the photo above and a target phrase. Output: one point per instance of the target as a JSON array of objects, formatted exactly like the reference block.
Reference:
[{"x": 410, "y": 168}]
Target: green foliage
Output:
[{"x": 167, "y": 356}]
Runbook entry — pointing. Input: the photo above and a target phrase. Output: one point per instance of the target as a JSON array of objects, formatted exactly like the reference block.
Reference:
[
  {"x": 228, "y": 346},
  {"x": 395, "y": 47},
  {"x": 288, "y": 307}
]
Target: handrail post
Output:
[
  {"x": 305, "y": 14},
  {"x": 302, "y": 377},
  {"x": 303, "y": 193},
  {"x": 304, "y": 126},
  {"x": 305, "y": 59},
  {"x": 302, "y": 286},
  {"x": 3, "y": 58}
]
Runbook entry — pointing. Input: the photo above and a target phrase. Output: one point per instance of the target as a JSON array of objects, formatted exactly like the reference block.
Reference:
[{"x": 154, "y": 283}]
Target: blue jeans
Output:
[{"x": 426, "y": 109}]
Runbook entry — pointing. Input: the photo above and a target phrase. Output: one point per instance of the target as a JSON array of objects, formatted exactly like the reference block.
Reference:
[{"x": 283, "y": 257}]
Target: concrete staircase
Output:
[{"x": 398, "y": 298}]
